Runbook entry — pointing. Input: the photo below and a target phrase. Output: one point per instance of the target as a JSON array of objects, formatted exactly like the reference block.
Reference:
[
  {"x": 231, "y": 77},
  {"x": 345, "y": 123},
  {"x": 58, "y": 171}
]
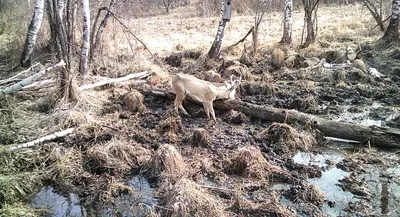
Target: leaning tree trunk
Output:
[
  {"x": 95, "y": 42},
  {"x": 392, "y": 31},
  {"x": 34, "y": 27},
  {"x": 83, "y": 65},
  {"x": 287, "y": 25},
  {"x": 215, "y": 49}
]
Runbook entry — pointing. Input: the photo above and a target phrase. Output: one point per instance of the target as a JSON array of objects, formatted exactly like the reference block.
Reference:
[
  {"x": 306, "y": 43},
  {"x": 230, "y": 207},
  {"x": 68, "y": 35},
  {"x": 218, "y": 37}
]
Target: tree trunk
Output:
[
  {"x": 83, "y": 65},
  {"x": 94, "y": 43},
  {"x": 310, "y": 38},
  {"x": 33, "y": 29},
  {"x": 215, "y": 49},
  {"x": 392, "y": 31},
  {"x": 287, "y": 25},
  {"x": 61, "y": 9},
  {"x": 376, "y": 136},
  {"x": 70, "y": 22}
]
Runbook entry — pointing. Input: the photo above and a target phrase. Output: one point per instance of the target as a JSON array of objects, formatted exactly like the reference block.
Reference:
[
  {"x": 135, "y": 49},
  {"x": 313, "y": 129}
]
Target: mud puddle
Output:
[
  {"x": 134, "y": 204},
  {"x": 380, "y": 191},
  {"x": 375, "y": 114},
  {"x": 58, "y": 205}
]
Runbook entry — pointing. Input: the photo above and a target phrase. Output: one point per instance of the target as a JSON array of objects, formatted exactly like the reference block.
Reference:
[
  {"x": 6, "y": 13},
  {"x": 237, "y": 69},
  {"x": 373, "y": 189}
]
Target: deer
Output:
[{"x": 203, "y": 91}]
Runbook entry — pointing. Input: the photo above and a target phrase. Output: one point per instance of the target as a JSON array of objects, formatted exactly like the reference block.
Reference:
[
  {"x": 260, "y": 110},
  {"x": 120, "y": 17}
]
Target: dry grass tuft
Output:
[
  {"x": 249, "y": 162},
  {"x": 134, "y": 101},
  {"x": 172, "y": 124},
  {"x": 200, "y": 138},
  {"x": 235, "y": 117},
  {"x": 258, "y": 88},
  {"x": 117, "y": 156},
  {"x": 210, "y": 76},
  {"x": 187, "y": 199},
  {"x": 287, "y": 138},
  {"x": 175, "y": 59},
  {"x": 271, "y": 207},
  {"x": 18, "y": 210},
  {"x": 306, "y": 192},
  {"x": 277, "y": 58},
  {"x": 167, "y": 162},
  {"x": 18, "y": 186},
  {"x": 66, "y": 167},
  {"x": 238, "y": 70}
]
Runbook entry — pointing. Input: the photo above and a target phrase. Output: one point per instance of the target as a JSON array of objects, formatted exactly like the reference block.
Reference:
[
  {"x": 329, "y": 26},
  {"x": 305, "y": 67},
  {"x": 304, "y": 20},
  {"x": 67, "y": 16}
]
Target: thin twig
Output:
[
  {"x": 244, "y": 38},
  {"x": 15, "y": 76}
]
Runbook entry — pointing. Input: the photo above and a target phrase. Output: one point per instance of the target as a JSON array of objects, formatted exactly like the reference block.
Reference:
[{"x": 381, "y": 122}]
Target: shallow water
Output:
[
  {"x": 57, "y": 205},
  {"x": 384, "y": 184},
  {"x": 133, "y": 205}
]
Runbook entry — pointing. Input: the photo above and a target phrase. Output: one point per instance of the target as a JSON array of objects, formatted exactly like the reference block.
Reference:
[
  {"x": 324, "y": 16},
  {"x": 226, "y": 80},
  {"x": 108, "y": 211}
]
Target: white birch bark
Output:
[
  {"x": 83, "y": 65},
  {"x": 30, "y": 79},
  {"x": 61, "y": 9},
  {"x": 33, "y": 30},
  {"x": 287, "y": 26},
  {"x": 216, "y": 46}
]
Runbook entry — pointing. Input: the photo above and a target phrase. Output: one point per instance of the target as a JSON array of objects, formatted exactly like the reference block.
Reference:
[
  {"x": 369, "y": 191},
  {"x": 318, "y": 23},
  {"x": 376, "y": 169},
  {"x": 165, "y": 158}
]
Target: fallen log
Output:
[
  {"x": 30, "y": 80},
  {"x": 115, "y": 80},
  {"x": 371, "y": 135},
  {"x": 50, "y": 137}
]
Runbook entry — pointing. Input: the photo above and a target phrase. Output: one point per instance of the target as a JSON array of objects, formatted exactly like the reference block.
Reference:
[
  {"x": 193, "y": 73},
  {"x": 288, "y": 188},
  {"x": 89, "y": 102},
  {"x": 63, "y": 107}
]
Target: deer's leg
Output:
[
  {"x": 178, "y": 104},
  {"x": 212, "y": 112},
  {"x": 206, "y": 109}
]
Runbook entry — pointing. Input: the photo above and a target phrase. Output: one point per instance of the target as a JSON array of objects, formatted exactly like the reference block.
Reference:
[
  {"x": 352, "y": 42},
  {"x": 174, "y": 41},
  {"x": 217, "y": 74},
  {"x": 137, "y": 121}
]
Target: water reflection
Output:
[{"x": 57, "y": 205}]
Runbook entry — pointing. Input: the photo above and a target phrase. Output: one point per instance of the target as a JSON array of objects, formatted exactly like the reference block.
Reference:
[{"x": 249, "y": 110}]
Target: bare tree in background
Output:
[
  {"x": 392, "y": 31},
  {"x": 260, "y": 7},
  {"x": 287, "y": 23},
  {"x": 83, "y": 65},
  {"x": 167, "y": 4},
  {"x": 33, "y": 30},
  {"x": 215, "y": 49},
  {"x": 310, "y": 21}
]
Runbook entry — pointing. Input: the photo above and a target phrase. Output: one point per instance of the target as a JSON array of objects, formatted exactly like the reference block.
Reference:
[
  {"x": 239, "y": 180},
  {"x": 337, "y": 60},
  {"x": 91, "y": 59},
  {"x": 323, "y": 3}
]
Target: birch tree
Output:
[
  {"x": 83, "y": 65},
  {"x": 215, "y": 49},
  {"x": 287, "y": 23},
  {"x": 392, "y": 31},
  {"x": 33, "y": 30}
]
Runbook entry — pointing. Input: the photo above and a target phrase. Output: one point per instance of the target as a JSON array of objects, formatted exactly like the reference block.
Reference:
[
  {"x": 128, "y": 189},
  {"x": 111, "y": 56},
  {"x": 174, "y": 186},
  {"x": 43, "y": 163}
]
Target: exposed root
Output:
[
  {"x": 286, "y": 138},
  {"x": 165, "y": 163},
  {"x": 186, "y": 199},
  {"x": 117, "y": 156}
]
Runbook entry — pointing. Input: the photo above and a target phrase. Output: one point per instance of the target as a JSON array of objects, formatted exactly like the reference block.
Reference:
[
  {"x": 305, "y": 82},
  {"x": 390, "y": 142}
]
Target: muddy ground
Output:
[{"x": 102, "y": 169}]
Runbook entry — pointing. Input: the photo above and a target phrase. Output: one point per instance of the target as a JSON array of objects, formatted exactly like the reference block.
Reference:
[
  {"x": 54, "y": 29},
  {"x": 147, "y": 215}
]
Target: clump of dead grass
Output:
[
  {"x": 175, "y": 59},
  {"x": 235, "y": 117},
  {"x": 271, "y": 207},
  {"x": 18, "y": 210},
  {"x": 258, "y": 88},
  {"x": 239, "y": 70},
  {"x": 133, "y": 101},
  {"x": 116, "y": 156},
  {"x": 249, "y": 162},
  {"x": 19, "y": 186},
  {"x": 209, "y": 75},
  {"x": 187, "y": 199},
  {"x": 287, "y": 138},
  {"x": 171, "y": 126},
  {"x": 167, "y": 162},
  {"x": 200, "y": 138},
  {"x": 306, "y": 192},
  {"x": 66, "y": 167}
]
